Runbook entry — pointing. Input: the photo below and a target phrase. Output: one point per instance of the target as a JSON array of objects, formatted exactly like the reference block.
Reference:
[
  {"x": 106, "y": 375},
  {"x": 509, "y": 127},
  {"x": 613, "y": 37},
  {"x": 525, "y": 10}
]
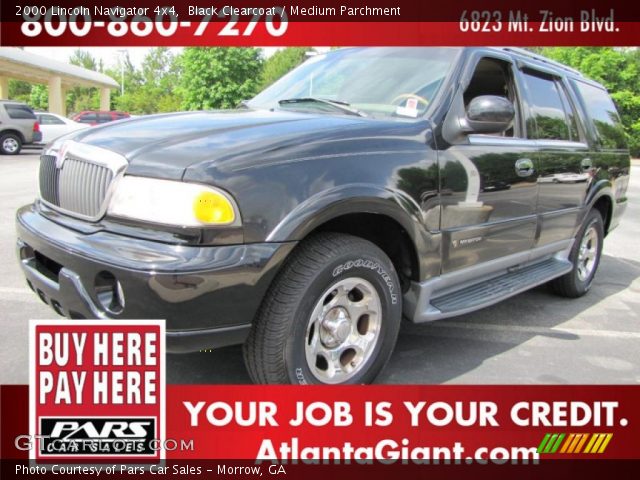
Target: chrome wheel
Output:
[
  {"x": 10, "y": 145},
  {"x": 343, "y": 330},
  {"x": 588, "y": 253}
]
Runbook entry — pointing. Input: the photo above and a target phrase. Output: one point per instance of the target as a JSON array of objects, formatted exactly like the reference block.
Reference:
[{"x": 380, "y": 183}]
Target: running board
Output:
[{"x": 493, "y": 290}]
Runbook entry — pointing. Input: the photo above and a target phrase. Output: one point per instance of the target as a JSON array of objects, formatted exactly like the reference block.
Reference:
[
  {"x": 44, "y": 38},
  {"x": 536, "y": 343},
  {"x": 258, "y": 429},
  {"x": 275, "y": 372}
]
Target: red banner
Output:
[
  {"x": 387, "y": 33},
  {"x": 390, "y": 424},
  {"x": 304, "y": 23}
]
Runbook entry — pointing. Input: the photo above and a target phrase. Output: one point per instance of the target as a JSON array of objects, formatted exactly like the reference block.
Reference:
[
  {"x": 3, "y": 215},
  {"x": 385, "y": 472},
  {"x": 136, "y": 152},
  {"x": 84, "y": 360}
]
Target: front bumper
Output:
[{"x": 208, "y": 295}]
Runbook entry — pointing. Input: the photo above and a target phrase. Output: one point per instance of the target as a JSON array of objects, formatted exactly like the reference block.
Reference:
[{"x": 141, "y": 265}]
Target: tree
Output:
[
  {"x": 161, "y": 74},
  {"x": 619, "y": 71},
  {"x": 39, "y": 97},
  {"x": 218, "y": 77},
  {"x": 125, "y": 73},
  {"x": 281, "y": 63},
  {"x": 83, "y": 58},
  {"x": 82, "y": 98},
  {"x": 19, "y": 90},
  {"x": 153, "y": 89}
]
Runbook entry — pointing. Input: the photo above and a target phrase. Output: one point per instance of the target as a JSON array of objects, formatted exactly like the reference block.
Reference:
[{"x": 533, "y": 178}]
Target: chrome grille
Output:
[
  {"x": 49, "y": 179},
  {"x": 81, "y": 185}
]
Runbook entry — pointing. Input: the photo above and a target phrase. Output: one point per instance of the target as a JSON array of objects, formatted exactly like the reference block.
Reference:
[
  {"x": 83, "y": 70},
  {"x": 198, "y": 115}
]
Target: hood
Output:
[{"x": 166, "y": 145}]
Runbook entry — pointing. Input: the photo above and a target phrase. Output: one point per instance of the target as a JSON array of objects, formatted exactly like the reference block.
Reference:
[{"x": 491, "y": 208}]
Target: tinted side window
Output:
[
  {"x": 88, "y": 118},
  {"x": 604, "y": 115},
  {"x": 570, "y": 112},
  {"x": 49, "y": 120},
  {"x": 19, "y": 112},
  {"x": 548, "y": 119},
  {"x": 104, "y": 118}
]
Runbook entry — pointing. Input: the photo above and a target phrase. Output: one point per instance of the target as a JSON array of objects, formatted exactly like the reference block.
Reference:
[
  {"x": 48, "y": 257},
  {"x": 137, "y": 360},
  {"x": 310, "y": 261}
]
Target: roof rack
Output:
[{"x": 540, "y": 58}]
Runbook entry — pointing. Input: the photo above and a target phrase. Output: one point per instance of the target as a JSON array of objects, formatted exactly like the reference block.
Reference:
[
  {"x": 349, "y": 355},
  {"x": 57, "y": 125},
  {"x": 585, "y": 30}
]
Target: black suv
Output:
[{"x": 365, "y": 185}]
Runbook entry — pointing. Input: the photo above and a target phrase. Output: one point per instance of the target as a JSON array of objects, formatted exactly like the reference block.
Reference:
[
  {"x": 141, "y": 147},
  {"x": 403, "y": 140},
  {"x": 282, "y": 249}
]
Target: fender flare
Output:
[
  {"x": 601, "y": 188},
  {"x": 346, "y": 199},
  {"x": 15, "y": 132}
]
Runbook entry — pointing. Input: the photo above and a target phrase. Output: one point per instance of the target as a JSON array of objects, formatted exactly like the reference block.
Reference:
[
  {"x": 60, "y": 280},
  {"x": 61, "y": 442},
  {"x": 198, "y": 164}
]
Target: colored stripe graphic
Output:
[
  {"x": 581, "y": 443},
  {"x": 592, "y": 440},
  {"x": 555, "y": 447},
  {"x": 543, "y": 443},
  {"x": 578, "y": 439},
  {"x": 607, "y": 439},
  {"x": 551, "y": 442},
  {"x": 573, "y": 443},
  {"x": 569, "y": 441}
]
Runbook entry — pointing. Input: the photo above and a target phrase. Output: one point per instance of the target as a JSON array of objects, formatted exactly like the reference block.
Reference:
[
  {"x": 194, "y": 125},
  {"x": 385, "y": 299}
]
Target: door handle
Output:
[{"x": 524, "y": 167}]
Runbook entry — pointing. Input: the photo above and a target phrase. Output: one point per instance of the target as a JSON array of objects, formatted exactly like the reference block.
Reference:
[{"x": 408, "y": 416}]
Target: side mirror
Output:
[{"x": 489, "y": 114}]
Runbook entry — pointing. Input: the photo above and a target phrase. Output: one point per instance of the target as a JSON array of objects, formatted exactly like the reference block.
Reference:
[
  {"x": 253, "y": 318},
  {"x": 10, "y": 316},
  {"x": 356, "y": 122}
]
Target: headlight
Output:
[{"x": 172, "y": 203}]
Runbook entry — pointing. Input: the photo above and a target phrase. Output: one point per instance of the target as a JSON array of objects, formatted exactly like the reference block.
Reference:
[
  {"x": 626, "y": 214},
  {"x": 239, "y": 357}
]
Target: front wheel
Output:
[
  {"x": 585, "y": 256},
  {"x": 331, "y": 316}
]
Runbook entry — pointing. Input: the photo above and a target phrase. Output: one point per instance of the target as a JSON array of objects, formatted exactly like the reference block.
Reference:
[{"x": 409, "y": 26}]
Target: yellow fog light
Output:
[{"x": 212, "y": 207}]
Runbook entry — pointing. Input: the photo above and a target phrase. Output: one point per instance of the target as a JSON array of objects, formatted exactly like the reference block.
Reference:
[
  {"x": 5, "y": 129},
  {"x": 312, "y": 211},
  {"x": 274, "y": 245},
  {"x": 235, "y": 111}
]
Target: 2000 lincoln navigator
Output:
[{"x": 365, "y": 185}]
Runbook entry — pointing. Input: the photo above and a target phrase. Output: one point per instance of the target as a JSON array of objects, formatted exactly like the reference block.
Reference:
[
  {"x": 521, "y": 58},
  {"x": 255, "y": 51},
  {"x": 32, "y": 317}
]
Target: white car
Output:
[{"x": 52, "y": 126}]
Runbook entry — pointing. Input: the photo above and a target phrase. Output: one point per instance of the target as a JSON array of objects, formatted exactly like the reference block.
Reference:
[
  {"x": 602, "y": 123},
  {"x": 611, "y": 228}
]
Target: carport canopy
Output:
[{"x": 59, "y": 76}]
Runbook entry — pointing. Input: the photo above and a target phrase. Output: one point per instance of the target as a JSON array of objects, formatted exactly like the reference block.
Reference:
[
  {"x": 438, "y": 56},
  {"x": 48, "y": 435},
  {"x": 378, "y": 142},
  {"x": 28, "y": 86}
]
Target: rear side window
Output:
[
  {"x": 549, "y": 118},
  {"x": 88, "y": 117},
  {"x": 104, "y": 118},
  {"x": 49, "y": 120},
  {"x": 604, "y": 115},
  {"x": 19, "y": 112}
]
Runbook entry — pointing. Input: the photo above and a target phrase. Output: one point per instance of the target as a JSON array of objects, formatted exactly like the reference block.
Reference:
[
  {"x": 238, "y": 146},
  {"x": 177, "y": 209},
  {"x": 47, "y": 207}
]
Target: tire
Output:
[
  {"x": 306, "y": 331},
  {"x": 589, "y": 240},
  {"x": 10, "y": 144}
]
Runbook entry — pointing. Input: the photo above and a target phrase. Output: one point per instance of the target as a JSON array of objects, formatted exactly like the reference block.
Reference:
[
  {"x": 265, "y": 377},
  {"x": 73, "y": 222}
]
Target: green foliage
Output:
[
  {"x": 127, "y": 75},
  {"x": 152, "y": 89},
  {"x": 83, "y": 58},
  {"x": 280, "y": 63},
  {"x": 619, "y": 71},
  {"x": 39, "y": 97},
  {"x": 218, "y": 77},
  {"x": 19, "y": 90},
  {"x": 82, "y": 98}
]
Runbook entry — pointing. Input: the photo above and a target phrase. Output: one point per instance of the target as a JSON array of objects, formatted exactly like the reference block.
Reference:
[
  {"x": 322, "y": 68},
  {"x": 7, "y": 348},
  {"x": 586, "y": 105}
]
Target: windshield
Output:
[{"x": 378, "y": 82}]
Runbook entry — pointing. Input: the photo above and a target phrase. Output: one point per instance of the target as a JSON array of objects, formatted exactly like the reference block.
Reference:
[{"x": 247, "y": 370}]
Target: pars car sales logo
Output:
[{"x": 97, "y": 389}]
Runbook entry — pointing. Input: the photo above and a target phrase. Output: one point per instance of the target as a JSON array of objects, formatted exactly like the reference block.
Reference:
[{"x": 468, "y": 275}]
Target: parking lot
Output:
[{"x": 534, "y": 337}]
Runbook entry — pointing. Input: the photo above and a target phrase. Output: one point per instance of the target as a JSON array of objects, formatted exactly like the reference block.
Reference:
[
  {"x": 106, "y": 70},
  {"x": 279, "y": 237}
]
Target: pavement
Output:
[{"x": 534, "y": 337}]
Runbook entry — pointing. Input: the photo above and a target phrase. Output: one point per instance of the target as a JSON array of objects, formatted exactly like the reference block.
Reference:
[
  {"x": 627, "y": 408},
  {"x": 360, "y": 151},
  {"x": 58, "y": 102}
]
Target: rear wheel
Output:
[
  {"x": 10, "y": 144},
  {"x": 585, "y": 256},
  {"x": 331, "y": 316}
]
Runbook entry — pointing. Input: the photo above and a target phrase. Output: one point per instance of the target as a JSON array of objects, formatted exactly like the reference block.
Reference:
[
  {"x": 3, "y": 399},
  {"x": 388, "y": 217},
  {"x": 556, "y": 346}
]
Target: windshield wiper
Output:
[{"x": 337, "y": 104}]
